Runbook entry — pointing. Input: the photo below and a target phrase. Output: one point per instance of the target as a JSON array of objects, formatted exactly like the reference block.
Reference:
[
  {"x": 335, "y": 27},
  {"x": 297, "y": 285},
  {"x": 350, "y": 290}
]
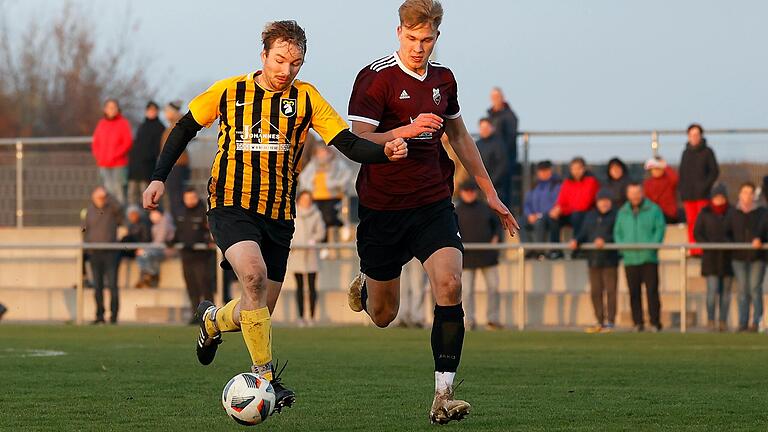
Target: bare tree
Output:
[{"x": 56, "y": 74}]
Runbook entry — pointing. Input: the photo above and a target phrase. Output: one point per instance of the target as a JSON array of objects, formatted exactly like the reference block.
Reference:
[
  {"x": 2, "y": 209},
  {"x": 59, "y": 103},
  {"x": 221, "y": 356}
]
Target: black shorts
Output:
[
  {"x": 230, "y": 225},
  {"x": 387, "y": 240}
]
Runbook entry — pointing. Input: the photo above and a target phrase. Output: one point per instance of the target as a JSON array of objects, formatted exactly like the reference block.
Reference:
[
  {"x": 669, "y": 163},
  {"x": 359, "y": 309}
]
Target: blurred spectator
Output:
[
  {"x": 3, "y": 310},
  {"x": 641, "y": 221},
  {"x": 603, "y": 265},
  {"x": 326, "y": 177},
  {"x": 505, "y": 123},
  {"x": 144, "y": 152},
  {"x": 712, "y": 227},
  {"x": 179, "y": 175},
  {"x": 698, "y": 172},
  {"x": 197, "y": 264},
  {"x": 478, "y": 224},
  {"x": 749, "y": 224},
  {"x": 494, "y": 154},
  {"x": 618, "y": 179},
  {"x": 102, "y": 218},
  {"x": 661, "y": 188},
  {"x": 149, "y": 259},
  {"x": 538, "y": 203},
  {"x": 111, "y": 143},
  {"x": 310, "y": 229},
  {"x": 577, "y": 196},
  {"x": 138, "y": 229}
]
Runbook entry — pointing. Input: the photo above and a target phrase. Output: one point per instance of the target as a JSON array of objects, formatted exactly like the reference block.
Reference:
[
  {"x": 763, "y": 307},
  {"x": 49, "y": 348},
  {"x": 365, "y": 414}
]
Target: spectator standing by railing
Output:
[
  {"x": 303, "y": 263},
  {"x": 478, "y": 224},
  {"x": 111, "y": 143},
  {"x": 180, "y": 173},
  {"x": 102, "y": 218},
  {"x": 603, "y": 265},
  {"x": 641, "y": 221},
  {"x": 577, "y": 196},
  {"x": 505, "y": 123},
  {"x": 493, "y": 151},
  {"x": 149, "y": 259},
  {"x": 197, "y": 264},
  {"x": 327, "y": 178},
  {"x": 712, "y": 227},
  {"x": 749, "y": 224},
  {"x": 539, "y": 226},
  {"x": 698, "y": 173},
  {"x": 144, "y": 152},
  {"x": 661, "y": 187},
  {"x": 617, "y": 182}
]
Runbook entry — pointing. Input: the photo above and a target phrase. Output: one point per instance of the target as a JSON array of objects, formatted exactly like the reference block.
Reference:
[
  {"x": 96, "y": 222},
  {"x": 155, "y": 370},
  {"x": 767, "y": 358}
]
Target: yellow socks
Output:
[
  {"x": 256, "y": 326},
  {"x": 225, "y": 319}
]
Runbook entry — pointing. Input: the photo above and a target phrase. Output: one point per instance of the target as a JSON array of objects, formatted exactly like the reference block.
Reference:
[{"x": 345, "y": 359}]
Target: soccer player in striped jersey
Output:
[
  {"x": 406, "y": 209},
  {"x": 264, "y": 118}
]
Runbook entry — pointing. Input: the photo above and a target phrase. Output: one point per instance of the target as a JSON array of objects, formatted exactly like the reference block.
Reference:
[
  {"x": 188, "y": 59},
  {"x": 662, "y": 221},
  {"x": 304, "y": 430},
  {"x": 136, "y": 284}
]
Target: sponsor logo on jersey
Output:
[
  {"x": 404, "y": 95},
  {"x": 253, "y": 138},
  {"x": 436, "y": 96}
]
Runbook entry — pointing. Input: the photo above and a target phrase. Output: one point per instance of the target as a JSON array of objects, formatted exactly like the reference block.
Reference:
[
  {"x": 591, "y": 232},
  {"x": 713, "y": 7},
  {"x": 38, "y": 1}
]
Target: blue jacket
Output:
[{"x": 542, "y": 197}]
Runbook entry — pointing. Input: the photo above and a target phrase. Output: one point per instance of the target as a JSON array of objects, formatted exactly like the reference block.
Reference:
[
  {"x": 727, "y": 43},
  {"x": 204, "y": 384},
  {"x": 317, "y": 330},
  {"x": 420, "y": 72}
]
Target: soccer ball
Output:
[{"x": 248, "y": 398}]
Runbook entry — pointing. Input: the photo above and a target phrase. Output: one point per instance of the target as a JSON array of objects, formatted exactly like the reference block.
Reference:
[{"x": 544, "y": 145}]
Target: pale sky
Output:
[{"x": 598, "y": 64}]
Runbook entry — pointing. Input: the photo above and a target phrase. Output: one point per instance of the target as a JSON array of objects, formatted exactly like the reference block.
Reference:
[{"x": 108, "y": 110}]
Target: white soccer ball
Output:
[{"x": 248, "y": 398}]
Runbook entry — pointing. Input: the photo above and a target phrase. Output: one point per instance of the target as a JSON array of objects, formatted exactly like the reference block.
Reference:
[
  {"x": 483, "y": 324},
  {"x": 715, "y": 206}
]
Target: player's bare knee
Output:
[
  {"x": 449, "y": 288},
  {"x": 254, "y": 282},
  {"x": 383, "y": 317}
]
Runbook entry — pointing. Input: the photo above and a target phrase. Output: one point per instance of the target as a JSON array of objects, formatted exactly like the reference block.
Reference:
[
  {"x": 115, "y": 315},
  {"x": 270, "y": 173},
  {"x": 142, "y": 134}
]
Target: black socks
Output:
[{"x": 447, "y": 337}]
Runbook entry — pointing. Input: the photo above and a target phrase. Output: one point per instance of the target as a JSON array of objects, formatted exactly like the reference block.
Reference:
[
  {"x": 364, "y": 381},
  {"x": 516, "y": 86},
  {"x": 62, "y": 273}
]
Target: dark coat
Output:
[
  {"x": 146, "y": 148},
  {"x": 698, "y": 172},
  {"x": 478, "y": 224},
  {"x": 599, "y": 225},
  {"x": 745, "y": 227},
  {"x": 542, "y": 197},
  {"x": 617, "y": 189},
  {"x": 494, "y": 155},
  {"x": 713, "y": 228},
  {"x": 505, "y": 123},
  {"x": 100, "y": 224},
  {"x": 192, "y": 226}
]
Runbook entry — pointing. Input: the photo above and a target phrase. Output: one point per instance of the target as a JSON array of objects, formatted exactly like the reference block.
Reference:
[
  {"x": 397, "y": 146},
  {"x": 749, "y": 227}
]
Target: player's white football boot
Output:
[
  {"x": 354, "y": 293},
  {"x": 445, "y": 408}
]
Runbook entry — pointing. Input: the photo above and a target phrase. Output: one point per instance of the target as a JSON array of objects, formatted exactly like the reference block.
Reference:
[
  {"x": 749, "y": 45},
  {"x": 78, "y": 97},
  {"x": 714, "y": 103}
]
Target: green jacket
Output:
[{"x": 647, "y": 226}]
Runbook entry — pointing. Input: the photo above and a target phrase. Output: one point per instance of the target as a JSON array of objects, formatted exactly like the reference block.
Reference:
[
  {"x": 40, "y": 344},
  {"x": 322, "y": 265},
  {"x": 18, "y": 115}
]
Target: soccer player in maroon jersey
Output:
[{"x": 406, "y": 209}]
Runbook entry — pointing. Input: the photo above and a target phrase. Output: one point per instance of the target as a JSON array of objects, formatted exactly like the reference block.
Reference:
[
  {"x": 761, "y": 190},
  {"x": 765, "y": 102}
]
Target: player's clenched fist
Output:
[
  {"x": 396, "y": 149},
  {"x": 152, "y": 195},
  {"x": 424, "y": 123}
]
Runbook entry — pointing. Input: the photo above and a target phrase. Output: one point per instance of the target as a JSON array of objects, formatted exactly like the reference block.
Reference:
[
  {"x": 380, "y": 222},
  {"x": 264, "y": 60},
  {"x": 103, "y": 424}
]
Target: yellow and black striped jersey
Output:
[{"x": 261, "y": 138}]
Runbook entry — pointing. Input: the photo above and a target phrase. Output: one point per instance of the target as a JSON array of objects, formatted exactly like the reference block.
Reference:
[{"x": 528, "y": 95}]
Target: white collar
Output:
[{"x": 410, "y": 72}]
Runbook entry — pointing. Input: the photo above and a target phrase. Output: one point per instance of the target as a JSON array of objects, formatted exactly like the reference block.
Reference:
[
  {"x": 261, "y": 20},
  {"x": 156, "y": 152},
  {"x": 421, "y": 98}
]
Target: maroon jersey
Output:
[{"x": 389, "y": 95}]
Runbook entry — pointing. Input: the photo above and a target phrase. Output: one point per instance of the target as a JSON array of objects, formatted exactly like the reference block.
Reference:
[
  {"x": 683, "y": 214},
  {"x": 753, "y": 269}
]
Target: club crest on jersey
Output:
[
  {"x": 288, "y": 107},
  {"x": 436, "y": 96}
]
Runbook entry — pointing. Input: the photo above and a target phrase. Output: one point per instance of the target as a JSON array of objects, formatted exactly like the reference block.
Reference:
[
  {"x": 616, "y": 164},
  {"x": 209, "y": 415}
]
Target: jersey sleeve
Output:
[
  {"x": 325, "y": 120},
  {"x": 453, "y": 111},
  {"x": 205, "y": 106},
  {"x": 368, "y": 98}
]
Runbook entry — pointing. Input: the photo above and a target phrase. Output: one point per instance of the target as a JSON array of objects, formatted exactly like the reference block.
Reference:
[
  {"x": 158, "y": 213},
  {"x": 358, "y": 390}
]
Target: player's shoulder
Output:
[
  {"x": 230, "y": 81},
  {"x": 441, "y": 69},
  {"x": 380, "y": 66},
  {"x": 305, "y": 87}
]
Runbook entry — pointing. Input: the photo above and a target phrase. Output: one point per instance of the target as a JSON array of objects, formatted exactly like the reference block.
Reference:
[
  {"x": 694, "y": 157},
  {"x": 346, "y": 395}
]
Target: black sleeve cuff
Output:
[{"x": 359, "y": 149}]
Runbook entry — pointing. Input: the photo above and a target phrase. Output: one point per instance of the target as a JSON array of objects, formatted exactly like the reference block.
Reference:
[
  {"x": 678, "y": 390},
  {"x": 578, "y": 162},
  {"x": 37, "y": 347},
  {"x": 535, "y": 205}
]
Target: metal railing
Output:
[
  {"x": 654, "y": 136},
  {"x": 520, "y": 261}
]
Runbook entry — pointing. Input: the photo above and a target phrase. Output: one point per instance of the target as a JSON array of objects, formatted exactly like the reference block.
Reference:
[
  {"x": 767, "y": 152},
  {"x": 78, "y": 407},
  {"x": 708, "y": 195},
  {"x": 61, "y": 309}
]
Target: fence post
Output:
[
  {"x": 521, "y": 287},
  {"x": 19, "y": 184},
  {"x": 79, "y": 294},
  {"x": 526, "y": 183},
  {"x": 683, "y": 290},
  {"x": 655, "y": 143}
]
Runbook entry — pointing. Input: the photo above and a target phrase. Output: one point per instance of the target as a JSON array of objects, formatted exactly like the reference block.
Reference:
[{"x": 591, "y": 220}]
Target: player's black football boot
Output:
[
  {"x": 206, "y": 344},
  {"x": 284, "y": 397}
]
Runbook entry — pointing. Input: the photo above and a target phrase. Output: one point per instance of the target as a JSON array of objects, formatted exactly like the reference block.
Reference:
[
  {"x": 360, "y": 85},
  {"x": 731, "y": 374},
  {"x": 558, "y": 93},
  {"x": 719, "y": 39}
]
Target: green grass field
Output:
[{"x": 364, "y": 379}]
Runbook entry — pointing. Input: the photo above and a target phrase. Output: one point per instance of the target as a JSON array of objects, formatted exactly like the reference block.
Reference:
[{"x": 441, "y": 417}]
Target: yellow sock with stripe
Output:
[
  {"x": 256, "y": 326},
  {"x": 225, "y": 319}
]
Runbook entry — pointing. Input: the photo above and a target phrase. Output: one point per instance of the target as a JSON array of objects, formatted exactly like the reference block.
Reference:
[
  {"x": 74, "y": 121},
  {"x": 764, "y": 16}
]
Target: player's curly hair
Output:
[
  {"x": 414, "y": 13},
  {"x": 288, "y": 31}
]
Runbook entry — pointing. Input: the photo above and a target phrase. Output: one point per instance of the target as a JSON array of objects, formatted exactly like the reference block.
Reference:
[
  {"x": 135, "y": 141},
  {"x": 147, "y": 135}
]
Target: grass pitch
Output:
[{"x": 366, "y": 379}]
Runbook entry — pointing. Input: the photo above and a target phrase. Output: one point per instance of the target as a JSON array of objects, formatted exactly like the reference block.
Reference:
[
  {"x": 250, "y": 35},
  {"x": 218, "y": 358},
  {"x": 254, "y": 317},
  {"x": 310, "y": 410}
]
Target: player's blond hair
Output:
[
  {"x": 287, "y": 31},
  {"x": 414, "y": 13}
]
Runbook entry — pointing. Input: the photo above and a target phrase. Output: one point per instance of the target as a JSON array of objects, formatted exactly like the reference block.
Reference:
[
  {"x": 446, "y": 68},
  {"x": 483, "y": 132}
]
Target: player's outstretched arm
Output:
[
  {"x": 363, "y": 151},
  {"x": 180, "y": 136},
  {"x": 425, "y": 122},
  {"x": 466, "y": 149}
]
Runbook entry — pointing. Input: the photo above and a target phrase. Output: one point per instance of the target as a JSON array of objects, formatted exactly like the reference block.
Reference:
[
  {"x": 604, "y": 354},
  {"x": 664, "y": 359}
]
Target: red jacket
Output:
[
  {"x": 663, "y": 191},
  {"x": 112, "y": 140},
  {"x": 578, "y": 196}
]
